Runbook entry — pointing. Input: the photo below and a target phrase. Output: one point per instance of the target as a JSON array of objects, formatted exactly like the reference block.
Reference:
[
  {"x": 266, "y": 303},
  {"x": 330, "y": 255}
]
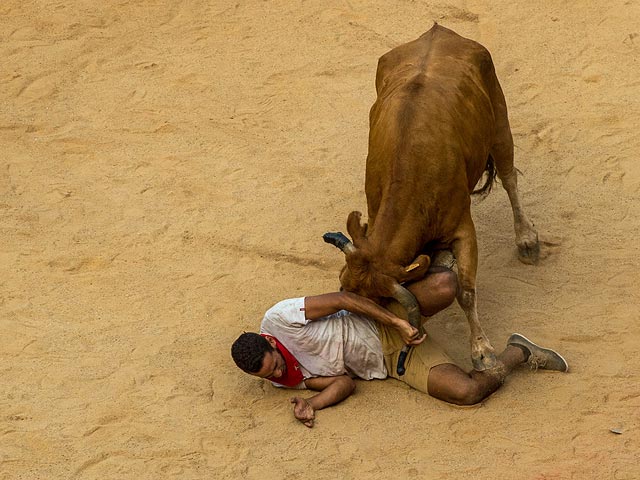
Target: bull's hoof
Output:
[
  {"x": 486, "y": 361},
  {"x": 529, "y": 254}
]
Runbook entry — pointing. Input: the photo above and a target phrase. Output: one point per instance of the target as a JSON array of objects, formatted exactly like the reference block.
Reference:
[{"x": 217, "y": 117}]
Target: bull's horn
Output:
[
  {"x": 409, "y": 302},
  {"x": 340, "y": 240}
]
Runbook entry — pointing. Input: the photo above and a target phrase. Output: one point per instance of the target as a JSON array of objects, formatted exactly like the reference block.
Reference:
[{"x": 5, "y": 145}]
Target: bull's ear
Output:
[
  {"x": 415, "y": 270},
  {"x": 357, "y": 230}
]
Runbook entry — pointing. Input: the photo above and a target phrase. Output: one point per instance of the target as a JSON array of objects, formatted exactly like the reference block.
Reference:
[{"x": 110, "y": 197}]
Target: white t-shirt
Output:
[{"x": 338, "y": 344}]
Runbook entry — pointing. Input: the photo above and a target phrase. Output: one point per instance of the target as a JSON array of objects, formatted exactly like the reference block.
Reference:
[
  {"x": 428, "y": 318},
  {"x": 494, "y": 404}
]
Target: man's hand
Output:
[
  {"x": 409, "y": 333},
  {"x": 332, "y": 390},
  {"x": 303, "y": 411}
]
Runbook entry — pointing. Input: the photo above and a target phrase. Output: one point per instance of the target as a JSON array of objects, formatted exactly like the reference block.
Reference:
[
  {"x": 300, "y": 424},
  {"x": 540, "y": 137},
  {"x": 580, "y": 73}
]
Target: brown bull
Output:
[{"x": 439, "y": 122}]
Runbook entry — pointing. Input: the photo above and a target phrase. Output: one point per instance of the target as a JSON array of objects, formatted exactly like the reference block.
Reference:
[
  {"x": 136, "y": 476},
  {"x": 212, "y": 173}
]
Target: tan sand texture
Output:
[{"x": 167, "y": 169}]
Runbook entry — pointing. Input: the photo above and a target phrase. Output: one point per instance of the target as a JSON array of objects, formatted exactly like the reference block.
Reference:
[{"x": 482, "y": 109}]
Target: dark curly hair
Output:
[{"x": 248, "y": 351}]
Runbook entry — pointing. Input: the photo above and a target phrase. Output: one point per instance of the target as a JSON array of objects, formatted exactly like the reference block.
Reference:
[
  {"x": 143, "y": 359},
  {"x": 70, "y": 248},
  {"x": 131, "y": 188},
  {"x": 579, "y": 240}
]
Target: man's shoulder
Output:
[
  {"x": 286, "y": 305},
  {"x": 289, "y": 312}
]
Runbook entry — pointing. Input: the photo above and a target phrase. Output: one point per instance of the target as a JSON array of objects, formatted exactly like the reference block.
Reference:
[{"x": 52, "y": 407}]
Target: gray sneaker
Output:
[{"x": 540, "y": 357}]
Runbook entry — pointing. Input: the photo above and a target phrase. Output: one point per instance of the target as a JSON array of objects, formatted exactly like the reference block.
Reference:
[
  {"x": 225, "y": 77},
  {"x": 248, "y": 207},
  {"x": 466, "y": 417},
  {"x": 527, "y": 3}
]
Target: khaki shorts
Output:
[
  {"x": 420, "y": 360},
  {"x": 423, "y": 357}
]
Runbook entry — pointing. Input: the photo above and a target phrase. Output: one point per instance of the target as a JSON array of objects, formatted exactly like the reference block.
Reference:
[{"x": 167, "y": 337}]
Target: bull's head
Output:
[{"x": 373, "y": 276}]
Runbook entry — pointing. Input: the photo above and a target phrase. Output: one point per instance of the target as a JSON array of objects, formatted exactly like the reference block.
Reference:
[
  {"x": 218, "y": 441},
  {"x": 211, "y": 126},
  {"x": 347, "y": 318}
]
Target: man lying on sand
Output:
[{"x": 322, "y": 342}]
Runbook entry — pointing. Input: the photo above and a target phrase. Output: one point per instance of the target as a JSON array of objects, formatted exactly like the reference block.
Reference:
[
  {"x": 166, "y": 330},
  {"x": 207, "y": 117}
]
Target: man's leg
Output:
[
  {"x": 450, "y": 383},
  {"x": 436, "y": 291}
]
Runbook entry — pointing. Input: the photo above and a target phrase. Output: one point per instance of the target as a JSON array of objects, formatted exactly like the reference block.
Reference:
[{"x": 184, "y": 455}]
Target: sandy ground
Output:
[{"x": 167, "y": 170}]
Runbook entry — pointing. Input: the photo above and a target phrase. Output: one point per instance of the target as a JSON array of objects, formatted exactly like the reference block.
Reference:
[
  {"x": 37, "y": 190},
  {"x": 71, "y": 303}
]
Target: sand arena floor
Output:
[{"x": 167, "y": 169}]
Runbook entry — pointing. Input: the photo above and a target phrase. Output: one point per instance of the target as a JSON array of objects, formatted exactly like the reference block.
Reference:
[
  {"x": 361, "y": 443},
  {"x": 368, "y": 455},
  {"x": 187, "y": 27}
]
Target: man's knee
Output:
[
  {"x": 449, "y": 383},
  {"x": 446, "y": 286},
  {"x": 436, "y": 292},
  {"x": 469, "y": 394}
]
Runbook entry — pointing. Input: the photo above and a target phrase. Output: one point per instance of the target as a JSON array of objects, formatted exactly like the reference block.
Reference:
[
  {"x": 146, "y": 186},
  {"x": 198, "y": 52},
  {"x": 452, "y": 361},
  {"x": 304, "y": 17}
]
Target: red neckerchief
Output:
[{"x": 293, "y": 375}]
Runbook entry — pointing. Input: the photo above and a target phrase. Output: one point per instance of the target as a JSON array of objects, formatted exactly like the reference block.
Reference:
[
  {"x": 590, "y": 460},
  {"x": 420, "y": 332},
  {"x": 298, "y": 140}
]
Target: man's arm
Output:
[
  {"x": 319, "y": 306},
  {"x": 332, "y": 390}
]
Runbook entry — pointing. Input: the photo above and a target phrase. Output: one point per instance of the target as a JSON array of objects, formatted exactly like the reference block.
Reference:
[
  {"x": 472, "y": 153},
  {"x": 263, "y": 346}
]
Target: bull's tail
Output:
[{"x": 489, "y": 176}]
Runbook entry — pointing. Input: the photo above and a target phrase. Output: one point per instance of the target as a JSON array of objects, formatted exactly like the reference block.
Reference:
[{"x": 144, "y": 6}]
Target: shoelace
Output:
[{"x": 536, "y": 362}]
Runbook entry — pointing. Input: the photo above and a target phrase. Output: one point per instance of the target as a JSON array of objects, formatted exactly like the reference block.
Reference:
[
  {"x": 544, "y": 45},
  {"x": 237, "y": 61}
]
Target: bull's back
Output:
[
  {"x": 434, "y": 98},
  {"x": 439, "y": 54},
  {"x": 431, "y": 126}
]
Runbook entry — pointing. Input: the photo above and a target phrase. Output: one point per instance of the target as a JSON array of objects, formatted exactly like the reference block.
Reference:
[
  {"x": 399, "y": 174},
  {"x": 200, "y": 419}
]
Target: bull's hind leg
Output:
[
  {"x": 502, "y": 153},
  {"x": 465, "y": 249}
]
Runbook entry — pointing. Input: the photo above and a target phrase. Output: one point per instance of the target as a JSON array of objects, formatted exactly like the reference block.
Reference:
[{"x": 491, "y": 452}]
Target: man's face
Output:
[{"x": 273, "y": 364}]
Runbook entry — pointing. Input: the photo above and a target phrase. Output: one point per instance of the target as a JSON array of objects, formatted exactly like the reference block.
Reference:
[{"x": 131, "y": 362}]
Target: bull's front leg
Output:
[
  {"x": 465, "y": 249},
  {"x": 483, "y": 355}
]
